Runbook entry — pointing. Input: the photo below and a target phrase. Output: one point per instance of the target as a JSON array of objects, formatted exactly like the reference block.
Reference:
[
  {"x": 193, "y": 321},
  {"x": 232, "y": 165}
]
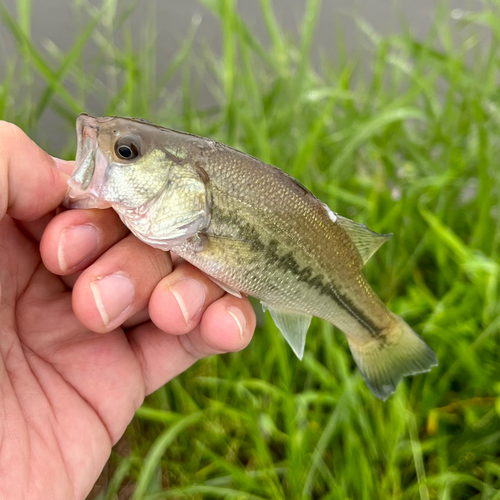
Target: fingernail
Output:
[
  {"x": 77, "y": 244},
  {"x": 239, "y": 318},
  {"x": 113, "y": 295},
  {"x": 190, "y": 295}
]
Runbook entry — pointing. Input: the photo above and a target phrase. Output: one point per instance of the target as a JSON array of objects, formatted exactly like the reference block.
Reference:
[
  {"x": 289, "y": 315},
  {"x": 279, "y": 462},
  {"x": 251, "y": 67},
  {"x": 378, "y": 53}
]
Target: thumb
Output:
[{"x": 30, "y": 184}]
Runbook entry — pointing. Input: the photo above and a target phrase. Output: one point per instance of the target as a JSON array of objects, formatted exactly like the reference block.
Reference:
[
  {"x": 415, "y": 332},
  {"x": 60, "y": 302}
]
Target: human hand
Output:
[{"x": 91, "y": 321}]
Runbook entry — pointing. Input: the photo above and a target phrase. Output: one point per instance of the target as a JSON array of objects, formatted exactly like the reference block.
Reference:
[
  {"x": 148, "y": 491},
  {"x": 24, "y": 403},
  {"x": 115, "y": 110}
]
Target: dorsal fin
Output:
[{"x": 366, "y": 241}]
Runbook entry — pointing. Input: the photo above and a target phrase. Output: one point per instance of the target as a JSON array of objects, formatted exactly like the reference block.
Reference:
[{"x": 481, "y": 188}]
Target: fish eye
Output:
[{"x": 127, "y": 148}]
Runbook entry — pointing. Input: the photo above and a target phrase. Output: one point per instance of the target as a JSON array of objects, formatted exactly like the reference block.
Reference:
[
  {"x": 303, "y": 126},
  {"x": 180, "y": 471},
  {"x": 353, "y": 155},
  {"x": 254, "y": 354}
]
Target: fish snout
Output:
[{"x": 84, "y": 189}]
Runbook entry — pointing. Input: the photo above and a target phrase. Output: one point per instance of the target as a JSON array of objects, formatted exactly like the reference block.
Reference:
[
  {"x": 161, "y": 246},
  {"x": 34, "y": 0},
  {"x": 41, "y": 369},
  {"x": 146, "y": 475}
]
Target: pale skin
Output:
[{"x": 91, "y": 321}]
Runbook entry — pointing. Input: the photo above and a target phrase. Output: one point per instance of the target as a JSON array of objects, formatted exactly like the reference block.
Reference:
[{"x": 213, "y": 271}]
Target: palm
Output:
[{"x": 67, "y": 390}]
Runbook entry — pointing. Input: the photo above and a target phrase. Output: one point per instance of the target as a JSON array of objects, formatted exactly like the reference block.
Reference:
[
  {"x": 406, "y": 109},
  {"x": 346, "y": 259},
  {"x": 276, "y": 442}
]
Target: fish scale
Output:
[{"x": 253, "y": 229}]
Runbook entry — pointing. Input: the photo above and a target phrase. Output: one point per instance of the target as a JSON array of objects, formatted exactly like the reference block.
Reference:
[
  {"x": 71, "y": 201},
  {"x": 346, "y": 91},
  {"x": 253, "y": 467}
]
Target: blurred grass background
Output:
[{"x": 411, "y": 146}]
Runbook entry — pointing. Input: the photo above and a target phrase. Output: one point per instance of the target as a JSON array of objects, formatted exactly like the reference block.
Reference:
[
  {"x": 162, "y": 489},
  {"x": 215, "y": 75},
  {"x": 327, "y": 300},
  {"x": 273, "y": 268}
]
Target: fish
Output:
[{"x": 253, "y": 229}]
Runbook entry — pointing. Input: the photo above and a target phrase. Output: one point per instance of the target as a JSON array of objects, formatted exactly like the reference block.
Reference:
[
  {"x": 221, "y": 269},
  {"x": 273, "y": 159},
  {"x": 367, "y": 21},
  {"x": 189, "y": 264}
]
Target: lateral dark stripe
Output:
[{"x": 287, "y": 262}]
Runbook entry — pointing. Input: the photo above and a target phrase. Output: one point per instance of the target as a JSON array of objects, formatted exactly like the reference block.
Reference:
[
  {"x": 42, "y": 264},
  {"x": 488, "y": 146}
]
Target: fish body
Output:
[{"x": 253, "y": 229}]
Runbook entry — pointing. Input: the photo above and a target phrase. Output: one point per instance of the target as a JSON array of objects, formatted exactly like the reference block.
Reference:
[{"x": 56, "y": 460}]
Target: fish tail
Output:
[{"x": 396, "y": 353}]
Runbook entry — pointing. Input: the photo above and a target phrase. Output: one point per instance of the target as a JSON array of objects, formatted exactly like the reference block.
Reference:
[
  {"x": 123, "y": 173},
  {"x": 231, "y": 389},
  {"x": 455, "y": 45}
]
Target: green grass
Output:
[{"x": 410, "y": 146}]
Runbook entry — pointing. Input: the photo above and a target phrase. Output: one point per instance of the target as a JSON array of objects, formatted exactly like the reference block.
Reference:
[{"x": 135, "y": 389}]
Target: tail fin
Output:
[{"x": 397, "y": 353}]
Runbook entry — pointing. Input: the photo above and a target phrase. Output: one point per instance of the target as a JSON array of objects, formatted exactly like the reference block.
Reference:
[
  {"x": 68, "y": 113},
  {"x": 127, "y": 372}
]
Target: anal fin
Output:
[{"x": 293, "y": 326}]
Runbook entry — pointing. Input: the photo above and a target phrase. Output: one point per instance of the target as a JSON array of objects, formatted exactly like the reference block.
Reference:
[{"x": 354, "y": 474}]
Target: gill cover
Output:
[{"x": 178, "y": 211}]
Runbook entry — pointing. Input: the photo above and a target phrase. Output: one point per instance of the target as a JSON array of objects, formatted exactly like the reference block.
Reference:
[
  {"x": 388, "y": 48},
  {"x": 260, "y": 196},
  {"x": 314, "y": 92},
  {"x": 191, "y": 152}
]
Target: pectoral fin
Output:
[
  {"x": 366, "y": 241},
  {"x": 293, "y": 327}
]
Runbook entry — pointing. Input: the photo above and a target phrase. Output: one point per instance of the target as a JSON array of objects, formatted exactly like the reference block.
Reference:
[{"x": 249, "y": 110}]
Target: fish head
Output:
[
  {"x": 144, "y": 174},
  {"x": 117, "y": 164}
]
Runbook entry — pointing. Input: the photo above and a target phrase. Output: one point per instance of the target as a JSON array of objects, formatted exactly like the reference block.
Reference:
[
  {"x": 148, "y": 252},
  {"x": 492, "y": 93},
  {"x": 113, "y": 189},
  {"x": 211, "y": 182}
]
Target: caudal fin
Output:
[{"x": 395, "y": 354}]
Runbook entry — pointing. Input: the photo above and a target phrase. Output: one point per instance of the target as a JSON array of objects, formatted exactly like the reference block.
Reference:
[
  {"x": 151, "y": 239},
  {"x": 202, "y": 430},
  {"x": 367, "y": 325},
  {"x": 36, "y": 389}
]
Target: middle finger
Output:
[{"x": 119, "y": 284}]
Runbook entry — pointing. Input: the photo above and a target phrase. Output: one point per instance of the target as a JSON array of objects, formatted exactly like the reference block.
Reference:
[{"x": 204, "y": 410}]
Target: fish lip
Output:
[
  {"x": 86, "y": 134},
  {"x": 83, "y": 190}
]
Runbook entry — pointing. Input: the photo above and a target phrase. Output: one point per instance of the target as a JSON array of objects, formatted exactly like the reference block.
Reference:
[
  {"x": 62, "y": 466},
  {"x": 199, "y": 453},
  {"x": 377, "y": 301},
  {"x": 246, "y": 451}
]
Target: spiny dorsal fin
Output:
[
  {"x": 366, "y": 241},
  {"x": 293, "y": 326}
]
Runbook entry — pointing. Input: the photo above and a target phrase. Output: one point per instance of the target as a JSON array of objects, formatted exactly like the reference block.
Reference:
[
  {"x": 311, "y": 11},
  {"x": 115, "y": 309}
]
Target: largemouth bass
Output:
[{"x": 253, "y": 229}]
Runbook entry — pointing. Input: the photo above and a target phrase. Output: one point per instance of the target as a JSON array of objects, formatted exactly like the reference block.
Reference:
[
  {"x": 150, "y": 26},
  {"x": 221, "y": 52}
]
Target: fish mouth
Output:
[{"x": 85, "y": 190}]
